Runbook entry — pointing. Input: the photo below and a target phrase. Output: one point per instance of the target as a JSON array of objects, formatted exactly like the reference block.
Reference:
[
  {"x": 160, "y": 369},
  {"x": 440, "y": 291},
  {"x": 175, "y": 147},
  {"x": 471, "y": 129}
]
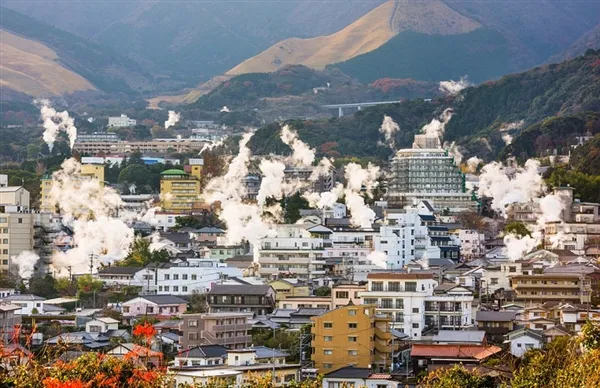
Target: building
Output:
[
  {"x": 427, "y": 355},
  {"x": 140, "y": 355},
  {"x": 296, "y": 251},
  {"x": 29, "y": 304},
  {"x": 201, "y": 356},
  {"x": 345, "y": 294},
  {"x": 314, "y": 302},
  {"x": 559, "y": 287},
  {"x": 289, "y": 288},
  {"x": 472, "y": 337},
  {"x": 351, "y": 335},
  {"x": 9, "y": 320},
  {"x": 496, "y": 324},
  {"x": 88, "y": 171},
  {"x": 155, "y": 146},
  {"x": 16, "y": 234},
  {"x": 350, "y": 376},
  {"x": 187, "y": 277},
  {"x": 3, "y": 180},
  {"x": 416, "y": 303},
  {"x": 119, "y": 277},
  {"x": 295, "y": 319},
  {"x": 179, "y": 191},
  {"x": 155, "y": 306},
  {"x": 121, "y": 121},
  {"x": 472, "y": 244},
  {"x": 101, "y": 325},
  {"x": 524, "y": 339},
  {"x": 14, "y": 195},
  {"x": 230, "y": 330},
  {"x": 107, "y": 137},
  {"x": 226, "y": 252},
  {"x": 195, "y": 166},
  {"x": 208, "y": 234},
  {"x": 428, "y": 174},
  {"x": 259, "y": 299}
]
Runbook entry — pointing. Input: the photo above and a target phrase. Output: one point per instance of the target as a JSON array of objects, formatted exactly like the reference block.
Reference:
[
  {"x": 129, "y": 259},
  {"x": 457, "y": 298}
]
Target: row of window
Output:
[
  {"x": 176, "y": 277},
  {"x": 351, "y": 325},
  {"x": 175, "y": 288}
]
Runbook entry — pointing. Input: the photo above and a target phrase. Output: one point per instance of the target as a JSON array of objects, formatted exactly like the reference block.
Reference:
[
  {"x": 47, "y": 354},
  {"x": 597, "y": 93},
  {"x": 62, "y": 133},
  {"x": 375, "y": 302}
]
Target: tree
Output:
[
  {"x": 136, "y": 174},
  {"x": 292, "y": 206},
  {"x": 65, "y": 287},
  {"x": 86, "y": 284},
  {"x": 213, "y": 166},
  {"x": 456, "y": 377},
  {"x": 198, "y": 303},
  {"x": 323, "y": 291},
  {"x": 517, "y": 228},
  {"x": 140, "y": 254},
  {"x": 43, "y": 286},
  {"x": 470, "y": 220}
]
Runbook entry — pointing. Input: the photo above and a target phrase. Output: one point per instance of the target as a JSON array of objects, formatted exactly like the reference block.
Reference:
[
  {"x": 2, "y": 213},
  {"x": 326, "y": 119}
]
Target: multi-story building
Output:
[
  {"x": 179, "y": 191},
  {"x": 472, "y": 244},
  {"x": 241, "y": 298},
  {"x": 121, "y": 121},
  {"x": 97, "y": 137},
  {"x": 416, "y": 304},
  {"x": 312, "y": 302},
  {"x": 289, "y": 288},
  {"x": 353, "y": 335},
  {"x": 546, "y": 287},
  {"x": 195, "y": 166},
  {"x": 296, "y": 251},
  {"x": 428, "y": 174},
  {"x": 346, "y": 293},
  {"x": 88, "y": 171},
  {"x": 16, "y": 234},
  {"x": 160, "y": 146},
  {"x": 14, "y": 195},
  {"x": 186, "y": 277},
  {"x": 226, "y": 329}
]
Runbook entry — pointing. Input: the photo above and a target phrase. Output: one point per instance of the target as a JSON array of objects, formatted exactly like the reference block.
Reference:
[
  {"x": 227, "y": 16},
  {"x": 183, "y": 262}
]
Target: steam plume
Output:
[
  {"x": 454, "y": 87},
  {"x": 26, "y": 262},
  {"x": 378, "y": 258},
  {"x": 507, "y": 138},
  {"x": 437, "y": 126},
  {"x": 472, "y": 164},
  {"x": 173, "y": 119},
  {"x": 54, "y": 122},
  {"x": 210, "y": 146},
  {"x": 301, "y": 153},
  {"x": 389, "y": 128}
]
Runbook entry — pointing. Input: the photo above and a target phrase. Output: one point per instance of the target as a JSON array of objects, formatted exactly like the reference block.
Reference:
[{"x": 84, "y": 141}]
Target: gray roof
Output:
[
  {"x": 242, "y": 289},
  {"x": 244, "y": 258},
  {"x": 23, "y": 297},
  {"x": 205, "y": 351},
  {"x": 465, "y": 336},
  {"x": 164, "y": 299},
  {"x": 496, "y": 316},
  {"x": 119, "y": 270},
  {"x": 349, "y": 372},
  {"x": 428, "y": 205},
  {"x": 210, "y": 229},
  {"x": 309, "y": 311},
  {"x": 176, "y": 237},
  {"x": 264, "y": 352}
]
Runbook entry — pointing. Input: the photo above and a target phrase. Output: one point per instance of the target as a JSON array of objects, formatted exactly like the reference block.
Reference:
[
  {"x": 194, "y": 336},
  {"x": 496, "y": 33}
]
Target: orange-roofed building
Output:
[
  {"x": 424, "y": 355},
  {"x": 137, "y": 353}
]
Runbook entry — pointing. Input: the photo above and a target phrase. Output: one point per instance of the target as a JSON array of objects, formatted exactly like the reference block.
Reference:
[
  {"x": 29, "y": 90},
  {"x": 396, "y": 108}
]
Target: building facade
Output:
[
  {"x": 121, "y": 121},
  {"x": 231, "y": 330},
  {"x": 179, "y": 191},
  {"x": 16, "y": 234}
]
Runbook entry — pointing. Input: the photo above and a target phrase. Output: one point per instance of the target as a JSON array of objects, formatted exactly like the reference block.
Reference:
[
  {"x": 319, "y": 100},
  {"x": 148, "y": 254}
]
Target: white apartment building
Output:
[
  {"x": 472, "y": 244},
  {"x": 296, "y": 250},
  {"x": 121, "y": 121},
  {"x": 184, "y": 278},
  {"x": 415, "y": 302},
  {"x": 16, "y": 234}
]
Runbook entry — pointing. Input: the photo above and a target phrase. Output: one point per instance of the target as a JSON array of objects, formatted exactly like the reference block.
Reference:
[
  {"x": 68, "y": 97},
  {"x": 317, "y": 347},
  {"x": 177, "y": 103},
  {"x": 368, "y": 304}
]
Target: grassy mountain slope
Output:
[
  {"x": 31, "y": 68},
  {"x": 364, "y": 35},
  {"x": 589, "y": 40},
  {"x": 586, "y": 158},
  {"x": 104, "y": 68},
  {"x": 551, "y": 90},
  {"x": 481, "y": 54}
]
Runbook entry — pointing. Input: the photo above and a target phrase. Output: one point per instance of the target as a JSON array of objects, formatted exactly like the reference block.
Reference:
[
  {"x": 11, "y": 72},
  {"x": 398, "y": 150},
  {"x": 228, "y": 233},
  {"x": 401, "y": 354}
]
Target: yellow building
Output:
[
  {"x": 95, "y": 171},
  {"x": 352, "y": 335},
  {"x": 196, "y": 167},
  {"x": 288, "y": 289},
  {"x": 89, "y": 171},
  {"x": 178, "y": 191}
]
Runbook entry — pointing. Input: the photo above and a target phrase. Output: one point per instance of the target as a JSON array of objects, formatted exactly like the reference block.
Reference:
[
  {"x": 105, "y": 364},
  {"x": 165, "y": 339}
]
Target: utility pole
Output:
[
  {"x": 91, "y": 263},
  {"x": 70, "y": 276}
]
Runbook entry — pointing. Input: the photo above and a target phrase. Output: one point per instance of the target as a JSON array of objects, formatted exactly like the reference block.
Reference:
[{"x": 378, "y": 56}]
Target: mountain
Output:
[
  {"x": 433, "y": 40},
  {"x": 482, "y": 115},
  {"x": 46, "y": 57},
  {"x": 33, "y": 69},
  {"x": 189, "y": 42},
  {"x": 589, "y": 40}
]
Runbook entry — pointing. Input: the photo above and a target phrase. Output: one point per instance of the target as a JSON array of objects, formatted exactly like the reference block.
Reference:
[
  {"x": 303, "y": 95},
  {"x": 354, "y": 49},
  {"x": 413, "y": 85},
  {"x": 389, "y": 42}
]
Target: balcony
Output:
[
  {"x": 211, "y": 339},
  {"x": 549, "y": 286},
  {"x": 233, "y": 327},
  {"x": 394, "y": 289},
  {"x": 384, "y": 335},
  {"x": 381, "y": 348}
]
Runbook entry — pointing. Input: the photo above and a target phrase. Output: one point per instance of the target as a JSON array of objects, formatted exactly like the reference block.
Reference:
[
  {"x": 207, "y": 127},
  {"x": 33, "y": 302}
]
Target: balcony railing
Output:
[
  {"x": 232, "y": 327},
  {"x": 394, "y": 289}
]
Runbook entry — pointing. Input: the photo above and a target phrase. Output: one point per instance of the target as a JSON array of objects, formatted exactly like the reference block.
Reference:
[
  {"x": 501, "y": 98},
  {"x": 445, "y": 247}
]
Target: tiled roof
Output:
[
  {"x": 380, "y": 376},
  {"x": 163, "y": 299},
  {"x": 495, "y": 316},
  {"x": 349, "y": 372},
  {"x": 223, "y": 289},
  {"x": 477, "y": 352}
]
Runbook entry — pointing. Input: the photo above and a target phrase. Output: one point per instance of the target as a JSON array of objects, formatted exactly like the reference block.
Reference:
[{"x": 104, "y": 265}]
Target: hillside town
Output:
[{"x": 427, "y": 278}]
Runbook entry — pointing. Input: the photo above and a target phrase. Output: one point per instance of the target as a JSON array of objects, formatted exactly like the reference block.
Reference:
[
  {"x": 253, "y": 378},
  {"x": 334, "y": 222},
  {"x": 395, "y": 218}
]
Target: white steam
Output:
[
  {"x": 173, "y": 119},
  {"x": 55, "y": 122},
  {"x": 26, "y": 262},
  {"x": 507, "y": 138},
  {"x": 472, "y": 164},
  {"x": 302, "y": 154},
  {"x": 225, "y": 109},
  {"x": 454, "y": 151},
  {"x": 437, "y": 126},
  {"x": 378, "y": 259},
  {"x": 210, "y": 146},
  {"x": 389, "y": 128},
  {"x": 454, "y": 87}
]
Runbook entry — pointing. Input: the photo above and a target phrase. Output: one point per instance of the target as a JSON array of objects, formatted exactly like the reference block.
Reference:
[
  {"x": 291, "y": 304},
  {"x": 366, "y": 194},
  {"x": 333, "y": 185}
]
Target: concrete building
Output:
[
  {"x": 187, "y": 277},
  {"x": 416, "y": 303},
  {"x": 472, "y": 244},
  {"x": 179, "y": 191},
  {"x": 296, "y": 251},
  {"x": 289, "y": 288},
  {"x": 106, "y": 137},
  {"x": 156, "y": 146},
  {"x": 154, "y": 306},
  {"x": 3, "y": 180},
  {"x": 298, "y": 302},
  {"x": 16, "y": 234},
  {"x": 230, "y": 330},
  {"x": 345, "y": 294},
  {"x": 428, "y": 174},
  {"x": 241, "y": 298},
  {"x": 14, "y": 195},
  {"x": 557, "y": 287},
  {"x": 121, "y": 121},
  {"x": 351, "y": 335}
]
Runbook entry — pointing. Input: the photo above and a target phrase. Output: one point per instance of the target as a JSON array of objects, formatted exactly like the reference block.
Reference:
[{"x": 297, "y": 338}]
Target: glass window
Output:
[{"x": 328, "y": 325}]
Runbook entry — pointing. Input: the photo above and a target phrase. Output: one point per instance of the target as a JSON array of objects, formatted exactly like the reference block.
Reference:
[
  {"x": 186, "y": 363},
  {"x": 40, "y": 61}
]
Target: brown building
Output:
[
  {"x": 258, "y": 299},
  {"x": 546, "y": 287},
  {"x": 352, "y": 335},
  {"x": 226, "y": 329},
  {"x": 496, "y": 324}
]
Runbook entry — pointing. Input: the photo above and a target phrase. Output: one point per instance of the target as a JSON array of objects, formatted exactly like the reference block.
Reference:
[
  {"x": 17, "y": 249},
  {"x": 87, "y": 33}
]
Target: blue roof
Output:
[{"x": 426, "y": 217}]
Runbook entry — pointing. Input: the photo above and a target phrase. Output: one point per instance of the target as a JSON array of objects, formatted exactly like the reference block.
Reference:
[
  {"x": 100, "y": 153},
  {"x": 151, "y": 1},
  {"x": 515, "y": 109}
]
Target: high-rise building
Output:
[
  {"x": 16, "y": 233},
  {"x": 178, "y": 191},
  {"x": 351, "y": 335},
  {"x": 428, "y": 174}
]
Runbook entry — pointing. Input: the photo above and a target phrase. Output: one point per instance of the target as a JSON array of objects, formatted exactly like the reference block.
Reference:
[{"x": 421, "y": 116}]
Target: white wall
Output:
[{"x": 519, "y": 346}]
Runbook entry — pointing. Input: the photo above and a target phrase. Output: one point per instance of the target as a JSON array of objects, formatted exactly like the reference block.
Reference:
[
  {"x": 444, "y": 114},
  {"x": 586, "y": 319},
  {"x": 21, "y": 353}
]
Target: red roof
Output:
[
  {"x": 380, "y": 376},
  {"x": 477, "y": 352}
]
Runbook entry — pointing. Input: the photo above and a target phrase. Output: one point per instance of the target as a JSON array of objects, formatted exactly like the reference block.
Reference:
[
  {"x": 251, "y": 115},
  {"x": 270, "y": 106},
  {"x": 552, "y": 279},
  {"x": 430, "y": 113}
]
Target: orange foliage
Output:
[{"x": 53, "y": 382}]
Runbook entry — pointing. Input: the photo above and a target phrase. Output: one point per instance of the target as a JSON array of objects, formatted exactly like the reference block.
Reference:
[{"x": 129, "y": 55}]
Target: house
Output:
[
  {"x": 259, "y": 299},
  {"x": 343, "y": 294},
  {"x": 13, "y": 355},
  {"x": 306, "y": 302},
  {"x": 496, "y": 324},
  {"x": 184, "y": 277},
  {"x": 101, "y": 325},
  {"x": 30, "y": 304},
  {"x": 201, "y": 355},
  {"x": 80, "y": 340},
  {"x": 524, "y": 339},
  {"x": 225, "y": 252},
  {"x": 555, "y": 332},
  {"x": 137, "y": 353},
  {"x": 350, "y": 376},
  {"x": 295, "y": 318},
  {"x": 425, "y": 355},
  {"x": 9, "y": 320},
  {"x": 208, "y": 234},
  {"x": 154, "y": 305},
  {"x": 181, "y": 241},
  {"x": 123, "y": 276},
  {"x": 4, "y": 292},
  {"x": 473, "y": 337},
  {"x": 285, "y": 288},
  {"x": 228, "y": 329}
]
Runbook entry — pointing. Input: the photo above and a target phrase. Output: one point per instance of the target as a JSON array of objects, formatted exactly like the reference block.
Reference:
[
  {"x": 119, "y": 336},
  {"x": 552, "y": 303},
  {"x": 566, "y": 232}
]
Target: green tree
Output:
[
  {"x": 140, "y": 254},
  {"x": 86, "y": 284},
  {"x": 65, "y": 287},
  {"x": 456, "y": 377},
  {"x": 517, "y": 228},
  {"x": 323, "y": 291},
  {"x": 197, "y": 303},
  {"x": 136, "y": 174},
  {"x": 292, "y": 206},
  {"x": 43, "y": 286}
]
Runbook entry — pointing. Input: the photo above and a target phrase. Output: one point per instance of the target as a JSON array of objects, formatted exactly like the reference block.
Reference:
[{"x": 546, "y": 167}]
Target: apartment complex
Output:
[
  {"x": 428, "y": 172},
  {"x": 416, "y": 303},
  {"x": 546, "y": 287},
  {"x": 353, "y": 335},
  {"x": 121, "y": 121},
  {"x": 161, "y": 146},
  {"x": 16, "y": 232},
  {"x": 179, "y": 191},
  {"x": 241, "y": 298},
  {"x": 14, "y": 195},
  {"x": 231, "y": 330}
]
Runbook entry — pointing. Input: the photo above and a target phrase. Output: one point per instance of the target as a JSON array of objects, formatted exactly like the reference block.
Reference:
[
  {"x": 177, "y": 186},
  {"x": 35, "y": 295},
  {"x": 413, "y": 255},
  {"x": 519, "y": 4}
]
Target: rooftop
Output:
[
  {"x": 173, "y": 172},
  {"x": 119, "y": 270},
  {"x": 223, "y": 289},
  {"x": 495, "y": 316},
  {"x": 349, "y": 372},
  {"x": 478, "y": 352},
  {"x": 476, "y": 336},
  {"x": 399, "y": 275},
  {"x": 163, "y": 299}
]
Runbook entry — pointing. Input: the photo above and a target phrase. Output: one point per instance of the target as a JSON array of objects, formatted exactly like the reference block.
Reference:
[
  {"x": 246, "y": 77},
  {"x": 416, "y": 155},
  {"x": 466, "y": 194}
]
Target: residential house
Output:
[
  {"x": 208, "y": 235},
  {"x": 229, "y": 329},
  {"x": 4, "y": 292},
  {"x": 154, "y": 305},
  {"x": 242, "y": 262},
  {"x": 202, "y": 355},
  {"x": 472, "y": 244},
  {"x": 188, "y": 276},
  {"x": 123, "y": 276},
  {"x": 473, "y": 337},
  {"x": 315, "y": 302},
  {"x": 9, "y": 320},
  {"x": 285, "y": 288},
  {"x": 241, "y": 298},
  {"x": 80, "y": 340},
  {"x": 295, "y": 318},
  {"x": 351, "y": 335},
  {"x": 30, "y": 304},
  {"x": 524, "y": 339},
  {"x": 225, "y": 252},
  {"x": 101, "y": 325},
  {"x": 139, "y": 354},
  {"x": 496, "y": 324},
  {"x": 343, "y": 294},
  {"x": 181, "y": 241},
  {"x": 350, "y": 376},
  {"x": 427, "y": 355}
]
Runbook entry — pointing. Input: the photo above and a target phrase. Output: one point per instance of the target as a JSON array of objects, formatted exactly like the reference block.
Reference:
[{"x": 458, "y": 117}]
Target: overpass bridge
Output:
[{"x": 357, "y": 105}]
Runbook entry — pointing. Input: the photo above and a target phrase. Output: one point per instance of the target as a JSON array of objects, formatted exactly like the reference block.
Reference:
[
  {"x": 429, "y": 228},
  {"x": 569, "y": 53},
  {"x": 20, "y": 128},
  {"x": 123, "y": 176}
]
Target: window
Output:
[
  {"x": 3, "y": 219},
  {"x": 175, "y": 277},
  {"x": 5, "y": 252},
  {"x": 184, "y": 288},
  {"x": 328, "y": 325},
  {"x": 328, "y": 338},
  {"x": 341, "y": 294},
  {"x": 394, "y": 286},
  {"x": 5, "y": 261},
  {"x": 512, "y": 269},
  {"x": 192, "y": 336},
  {"x": 351, "y": 312},
  {"x": 410, "y": 286},
  {"x": 167, "y": 276},
  {"x": 194, "y": 277},
  {"x": 5, "y": 241},
  {"x": 328, "y": 352},
  {"x": 150, "y": 310},
  {"x": 166, "y": 288},
  {"x": 352, "y": 325},
  {"x": 415, "y": 310},
  {"x": 494, "y": 281},
  {"x": 415, "y": 325},
  {"x": 176, "y": 288},
  {"x": 184, "y": 277},
  {"x": 377, "y": 286},
  {"x": 353, "y": 352},
  {"x": 327, "y": 366},
  {"x": 352, "y": 339},
  {"x": 20, "y": 220},
  {"x": 193, "y": 323}
]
